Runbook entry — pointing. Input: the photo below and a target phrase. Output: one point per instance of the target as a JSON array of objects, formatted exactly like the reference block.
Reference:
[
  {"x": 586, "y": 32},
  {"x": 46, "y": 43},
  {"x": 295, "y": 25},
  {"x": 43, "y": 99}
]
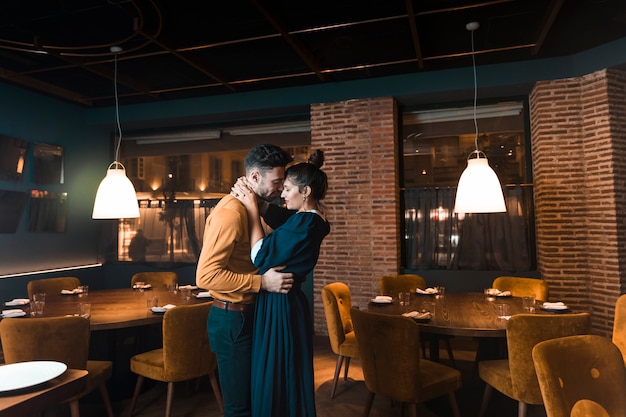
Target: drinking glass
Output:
[
  {"x": 528, "y": 302},
  {"x": 84, "y": 310}
]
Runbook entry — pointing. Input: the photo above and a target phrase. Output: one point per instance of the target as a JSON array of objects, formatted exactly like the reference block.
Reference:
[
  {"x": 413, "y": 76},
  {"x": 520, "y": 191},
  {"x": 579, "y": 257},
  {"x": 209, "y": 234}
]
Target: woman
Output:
[{"x": 282, "y": 346}]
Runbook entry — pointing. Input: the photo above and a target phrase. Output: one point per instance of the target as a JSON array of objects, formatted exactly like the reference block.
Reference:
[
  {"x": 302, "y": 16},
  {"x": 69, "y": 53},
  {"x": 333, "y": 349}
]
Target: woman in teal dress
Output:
[{"x": 282, "y": 345}]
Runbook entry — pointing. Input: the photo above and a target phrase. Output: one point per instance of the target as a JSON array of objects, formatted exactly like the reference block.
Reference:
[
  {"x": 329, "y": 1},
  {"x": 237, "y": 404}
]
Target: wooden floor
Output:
[{"x": 192, "y": 401}]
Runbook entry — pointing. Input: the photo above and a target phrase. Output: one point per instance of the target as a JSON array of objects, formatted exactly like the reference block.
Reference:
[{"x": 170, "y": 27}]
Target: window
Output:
[
  {"x": 435, "y": 147},
  {"x": 179, "y": 182}
]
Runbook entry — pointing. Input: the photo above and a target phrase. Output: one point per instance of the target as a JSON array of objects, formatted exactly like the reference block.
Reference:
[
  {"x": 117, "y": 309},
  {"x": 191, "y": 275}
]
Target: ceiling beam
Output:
[
  {"x": 546, "y": 24},
  {"x": 414, "y": 34},
  {"x": 302, "y": 50}
]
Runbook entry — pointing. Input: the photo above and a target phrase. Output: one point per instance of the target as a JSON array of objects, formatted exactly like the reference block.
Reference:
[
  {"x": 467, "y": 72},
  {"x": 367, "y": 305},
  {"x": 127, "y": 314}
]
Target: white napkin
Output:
[
  {"x": 503, "y": 293},
  {"x": 203, "y": 294},
  {"x": 426, "y": 291},
  {"x": 191, "y": 287},
  {"x": 426, "y": 315},
  {"x": 142, "y": 286},
  {"x": 382, "y": 299},
  {"x": 74, "y": 291},
  {"x": 15, "y": 312},
  {"x": 559, "y": 305},
  {"x": 168, "y": 306},
  {"x": 17, "y": 302}
]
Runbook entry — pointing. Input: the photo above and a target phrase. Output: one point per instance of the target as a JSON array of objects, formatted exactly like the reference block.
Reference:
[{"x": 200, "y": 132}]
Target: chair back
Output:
[
  {"x": 389, "y": 349},
  {"x": 337, "y": 309},
  {"x": 393, "y": 284},
  {"x": 523, "y": 332},
  {"x": 155, "y": 278},
  {"x": 186, "y": 350},
  {"x": 619, "y": 325},
  {"x": 580, "y": 367},
  {"x": 51, "y": 286},
  {"x": 62, "y": 339},
  {"x": 521, "y": 287}
]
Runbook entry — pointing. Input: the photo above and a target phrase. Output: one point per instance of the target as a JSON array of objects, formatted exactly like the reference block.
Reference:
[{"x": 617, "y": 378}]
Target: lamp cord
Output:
[
  {"x": 117, "y": 112},
  {"x": 475, "y": 93}
]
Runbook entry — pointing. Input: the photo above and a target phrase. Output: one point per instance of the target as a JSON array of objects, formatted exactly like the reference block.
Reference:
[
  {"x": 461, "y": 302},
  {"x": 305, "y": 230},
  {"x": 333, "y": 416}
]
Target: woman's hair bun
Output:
[{"x": 317, "y": 158}]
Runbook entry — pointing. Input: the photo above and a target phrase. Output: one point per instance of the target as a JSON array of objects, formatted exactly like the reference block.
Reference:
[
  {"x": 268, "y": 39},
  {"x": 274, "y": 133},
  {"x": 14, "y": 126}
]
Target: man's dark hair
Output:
[{"x": 266, "y": 157}]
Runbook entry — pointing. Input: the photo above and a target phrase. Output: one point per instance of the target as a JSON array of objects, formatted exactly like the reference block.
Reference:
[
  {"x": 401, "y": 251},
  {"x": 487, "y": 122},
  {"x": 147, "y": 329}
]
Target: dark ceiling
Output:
[{"x": 175, "y": 49}]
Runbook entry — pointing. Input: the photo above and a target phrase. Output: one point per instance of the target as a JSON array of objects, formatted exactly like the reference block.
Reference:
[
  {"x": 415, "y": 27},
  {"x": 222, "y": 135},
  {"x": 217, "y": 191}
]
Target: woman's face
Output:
[{"x": 292, "y": 196}]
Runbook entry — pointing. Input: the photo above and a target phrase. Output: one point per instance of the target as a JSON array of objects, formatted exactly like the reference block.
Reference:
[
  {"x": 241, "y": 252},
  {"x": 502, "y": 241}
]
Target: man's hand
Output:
[{"x": 275, "y": 281}]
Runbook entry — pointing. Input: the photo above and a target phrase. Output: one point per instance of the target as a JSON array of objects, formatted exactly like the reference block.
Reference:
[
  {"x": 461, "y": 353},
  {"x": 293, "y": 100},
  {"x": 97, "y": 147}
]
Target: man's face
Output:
[{"x": 269, "y": 184}]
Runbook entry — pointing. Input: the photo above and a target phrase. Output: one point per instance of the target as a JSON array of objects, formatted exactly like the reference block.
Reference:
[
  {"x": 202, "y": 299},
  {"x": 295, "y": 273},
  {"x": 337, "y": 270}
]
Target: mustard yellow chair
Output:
[
  {"x": 522, "y": 287},
  {"x": 393, "y": 284},
  {"x": 387, "y": 346},
  {"x": 588, "y": 408},
  {"x": 52, "y": 286},
  {"x": 157, "y": 279},
  {"x": 62, "y": 339},
  {"x": 186, "y": 354},
  {"x": 619, "y": 325},
  {"x": 515, "y": 377},
  {"x": 573, "y": 368},
  {"x": 337, "y": 307}
]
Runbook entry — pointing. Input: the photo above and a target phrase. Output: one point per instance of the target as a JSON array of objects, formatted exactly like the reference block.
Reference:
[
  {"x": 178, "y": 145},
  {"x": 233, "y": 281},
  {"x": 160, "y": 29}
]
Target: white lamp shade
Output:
[
  {"x": 479, "y": 190},
  {"x": 116, "y": 197}
]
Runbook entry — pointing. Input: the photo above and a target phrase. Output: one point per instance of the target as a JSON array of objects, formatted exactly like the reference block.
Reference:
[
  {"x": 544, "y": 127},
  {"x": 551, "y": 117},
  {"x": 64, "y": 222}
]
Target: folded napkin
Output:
[
  {"x": 503, "y": 293},
  {"x": 559, "y": 305},
  {"x": 17, "y": 302},
  {"x": 426, "y": 315},
  {"x": 74, "y": 291},
  {"x": 15, "y": 312},
  {"x": 203, "y": 294},
  {"x": 426, "y": 291},
  {"x": 191, "y": 287},
  {"x": 142, "y": 286},
  {"x": 382, "y": 299},
  {"x": 168, "y": 306}
]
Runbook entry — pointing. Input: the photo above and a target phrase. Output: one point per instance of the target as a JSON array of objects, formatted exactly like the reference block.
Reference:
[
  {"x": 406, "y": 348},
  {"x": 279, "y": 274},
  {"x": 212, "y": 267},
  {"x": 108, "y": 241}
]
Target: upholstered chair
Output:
[
  {"x": 393, "y": 284},
  {"x": 62, "y": 339},
  {"x": 515, "y": 377},
  {"x": 619, "y": 325},
  {"x": 588, "y": 408},
  {"x": 337, "y": 308},
  {"x": 51, "y": 285},
  {"x": 573, "y": 368},
  {"x": 186, "y": 354},
  {"x": 387, "y": 346},
  {"x": 521, "y": 287},
  {"x": 156, "y": 278}
]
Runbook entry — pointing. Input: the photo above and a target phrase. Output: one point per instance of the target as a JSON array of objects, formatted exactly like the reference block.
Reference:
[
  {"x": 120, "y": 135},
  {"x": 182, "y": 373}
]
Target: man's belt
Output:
[{"x": 230, "y": 306}]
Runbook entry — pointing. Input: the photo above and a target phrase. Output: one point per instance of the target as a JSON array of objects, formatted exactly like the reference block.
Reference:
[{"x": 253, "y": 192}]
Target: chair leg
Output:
[
  {"x": 450, "y": 352},
  {"x": 412, "y": 409},
  {"x": 74, "y": 410},
  {"x": 105, "y": 398},
  {"x": 486, "y": 397},
  {"x": 368, "y": 403},
  {"x": 522, "y": 408},
  {"x": 345, "y": 369},
  {"x": 217, "y": 391},
  {"x": 170, "y": 397},
  {"x": 336, "y": 377},
  {"x": 135, "y": 394},
  {"x": 454, "y": 405}
]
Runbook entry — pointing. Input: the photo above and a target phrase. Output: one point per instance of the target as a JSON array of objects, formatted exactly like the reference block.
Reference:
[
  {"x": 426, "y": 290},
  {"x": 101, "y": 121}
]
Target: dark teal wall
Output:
[{"x": 85, "y": 135}]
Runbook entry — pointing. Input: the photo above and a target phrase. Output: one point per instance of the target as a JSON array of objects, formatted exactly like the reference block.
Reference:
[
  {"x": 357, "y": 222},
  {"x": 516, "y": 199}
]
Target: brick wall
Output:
[
  {"x": 359, "y": 141},
  {"x": 579, "y": 161}
]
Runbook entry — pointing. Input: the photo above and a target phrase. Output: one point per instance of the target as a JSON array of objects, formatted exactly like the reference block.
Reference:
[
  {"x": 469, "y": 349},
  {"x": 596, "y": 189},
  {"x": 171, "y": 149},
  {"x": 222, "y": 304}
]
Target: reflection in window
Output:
[
  {"x": 48, "y": 211},
  {"x": 12, "y": 158},
  {"x": 48, "y": 164},
  {"x": 435, "y": 146}
]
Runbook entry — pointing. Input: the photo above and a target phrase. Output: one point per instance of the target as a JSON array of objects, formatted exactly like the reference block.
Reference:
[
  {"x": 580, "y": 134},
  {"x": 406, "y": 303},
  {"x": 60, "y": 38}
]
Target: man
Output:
[{"x": 226, "y": 270}]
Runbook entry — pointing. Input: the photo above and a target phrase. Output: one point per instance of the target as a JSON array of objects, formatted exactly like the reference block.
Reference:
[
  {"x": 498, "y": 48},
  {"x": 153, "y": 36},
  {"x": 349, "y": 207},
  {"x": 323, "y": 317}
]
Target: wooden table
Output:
[
  {"x": 115, "y": 308},
  {"x": 30, "y": 401},
  {"x": 460, "y": 314}
]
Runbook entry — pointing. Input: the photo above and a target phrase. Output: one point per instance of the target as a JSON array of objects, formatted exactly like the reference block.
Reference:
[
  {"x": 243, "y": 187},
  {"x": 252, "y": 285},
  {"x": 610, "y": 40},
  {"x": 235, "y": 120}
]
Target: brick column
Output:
[
  {"x": 362, "y": 204},
  {"x": 578, "y": 149}
]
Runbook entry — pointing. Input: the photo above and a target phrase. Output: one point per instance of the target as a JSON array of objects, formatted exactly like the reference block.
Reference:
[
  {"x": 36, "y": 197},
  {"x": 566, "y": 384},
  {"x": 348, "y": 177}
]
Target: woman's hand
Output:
[{"x": 242, "y": 192}]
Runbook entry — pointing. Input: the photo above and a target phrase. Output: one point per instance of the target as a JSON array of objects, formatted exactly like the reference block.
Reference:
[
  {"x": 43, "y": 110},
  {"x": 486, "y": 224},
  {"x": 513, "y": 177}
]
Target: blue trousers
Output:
[{"x": 230, "y": 335}]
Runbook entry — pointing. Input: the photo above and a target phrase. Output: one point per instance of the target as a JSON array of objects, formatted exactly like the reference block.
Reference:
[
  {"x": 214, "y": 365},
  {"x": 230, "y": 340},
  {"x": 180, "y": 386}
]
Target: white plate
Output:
[
  {"x": 381, "y": 301},
  {"x": 554, "y": 308},
  {"x": 27, "y": 374},
  {"x": 158, "y": 310}
]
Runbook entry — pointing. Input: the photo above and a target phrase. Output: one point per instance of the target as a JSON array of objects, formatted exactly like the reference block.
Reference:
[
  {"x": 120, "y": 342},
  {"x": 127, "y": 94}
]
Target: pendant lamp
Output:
[
  {"x": 116, "y": 197},
  {"x": 479, "y": 189}
]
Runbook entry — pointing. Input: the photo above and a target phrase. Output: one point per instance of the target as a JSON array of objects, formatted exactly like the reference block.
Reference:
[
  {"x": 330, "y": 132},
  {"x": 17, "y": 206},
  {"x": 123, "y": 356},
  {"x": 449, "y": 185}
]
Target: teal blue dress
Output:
[{"x": 282, "y": 339}]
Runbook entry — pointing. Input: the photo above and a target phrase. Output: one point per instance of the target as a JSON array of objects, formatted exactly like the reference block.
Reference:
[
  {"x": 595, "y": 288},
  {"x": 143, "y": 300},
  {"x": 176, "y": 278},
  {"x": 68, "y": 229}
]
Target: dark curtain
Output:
[{"x": 436, "y": 238}]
